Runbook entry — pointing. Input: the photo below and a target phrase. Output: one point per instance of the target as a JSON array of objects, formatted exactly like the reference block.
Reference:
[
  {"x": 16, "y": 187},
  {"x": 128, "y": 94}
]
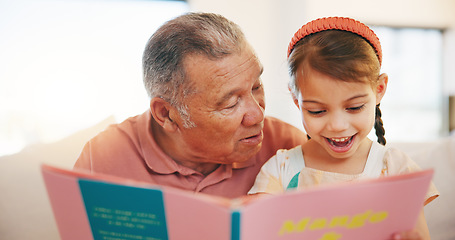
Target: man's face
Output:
[{"x": 227, "y": 108}]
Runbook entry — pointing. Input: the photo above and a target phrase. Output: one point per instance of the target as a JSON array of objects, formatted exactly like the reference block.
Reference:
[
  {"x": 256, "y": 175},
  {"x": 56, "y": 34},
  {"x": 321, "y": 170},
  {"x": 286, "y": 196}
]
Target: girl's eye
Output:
[
  {"x": 356, "y": 109},
  {"x": 316, "y": 112}
]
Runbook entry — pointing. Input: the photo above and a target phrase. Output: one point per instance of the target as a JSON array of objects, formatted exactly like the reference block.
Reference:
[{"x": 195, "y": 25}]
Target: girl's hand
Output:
[
  {"x": 420, "y": 232},
  {"x": 408, "y": 235}
]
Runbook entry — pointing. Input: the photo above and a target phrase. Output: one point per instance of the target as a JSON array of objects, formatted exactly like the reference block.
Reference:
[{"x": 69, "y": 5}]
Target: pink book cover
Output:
[
  {"x": 370, "y": 209},
  {"x": 104, "y": 207},
  {"x": 94, "y": 206}
]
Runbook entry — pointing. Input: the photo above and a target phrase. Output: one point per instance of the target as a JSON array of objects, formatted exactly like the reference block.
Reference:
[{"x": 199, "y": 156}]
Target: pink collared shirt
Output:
[{"x": 128, "y": 150}]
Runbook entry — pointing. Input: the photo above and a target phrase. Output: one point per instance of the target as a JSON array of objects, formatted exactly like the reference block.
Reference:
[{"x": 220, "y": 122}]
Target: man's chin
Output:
[{"x": 243, "y": 156}]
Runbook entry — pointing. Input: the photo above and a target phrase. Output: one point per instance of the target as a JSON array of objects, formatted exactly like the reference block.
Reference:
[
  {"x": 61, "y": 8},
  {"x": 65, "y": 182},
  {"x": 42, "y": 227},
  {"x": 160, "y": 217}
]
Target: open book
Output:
[{"x": 104, "y": 207}]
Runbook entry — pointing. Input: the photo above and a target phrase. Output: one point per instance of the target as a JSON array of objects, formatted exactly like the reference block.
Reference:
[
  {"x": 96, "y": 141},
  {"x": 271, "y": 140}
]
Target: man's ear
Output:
[
  {"x": 381, "y": 87},
  {"x": 161, "y": 111}
]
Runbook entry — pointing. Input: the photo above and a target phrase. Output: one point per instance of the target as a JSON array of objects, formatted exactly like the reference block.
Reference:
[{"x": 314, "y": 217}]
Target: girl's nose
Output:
[{"x": 338, "y": 122}]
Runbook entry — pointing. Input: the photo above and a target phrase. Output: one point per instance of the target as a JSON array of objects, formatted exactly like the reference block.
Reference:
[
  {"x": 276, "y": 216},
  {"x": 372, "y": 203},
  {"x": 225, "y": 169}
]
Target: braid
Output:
[{"x": 379, "y": 126}]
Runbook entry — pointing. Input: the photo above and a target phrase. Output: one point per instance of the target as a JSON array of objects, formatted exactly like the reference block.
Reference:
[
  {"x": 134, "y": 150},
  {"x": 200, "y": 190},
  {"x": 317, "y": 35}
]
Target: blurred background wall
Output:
[{"x": 66, "y": 65}]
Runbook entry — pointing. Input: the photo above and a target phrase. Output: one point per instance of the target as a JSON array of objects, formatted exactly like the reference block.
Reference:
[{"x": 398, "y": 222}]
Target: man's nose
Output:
[{"x": 254, "y": 113}]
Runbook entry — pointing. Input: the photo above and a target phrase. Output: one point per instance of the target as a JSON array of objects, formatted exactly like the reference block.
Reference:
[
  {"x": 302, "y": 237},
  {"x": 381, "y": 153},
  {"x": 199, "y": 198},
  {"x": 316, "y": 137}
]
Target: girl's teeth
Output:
[{"x": 340, "y": 139}]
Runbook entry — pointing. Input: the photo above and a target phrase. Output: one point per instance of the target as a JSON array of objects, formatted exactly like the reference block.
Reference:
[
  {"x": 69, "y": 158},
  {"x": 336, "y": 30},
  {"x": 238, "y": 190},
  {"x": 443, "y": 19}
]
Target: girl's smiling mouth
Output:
[{"x": 341, "y": 144}]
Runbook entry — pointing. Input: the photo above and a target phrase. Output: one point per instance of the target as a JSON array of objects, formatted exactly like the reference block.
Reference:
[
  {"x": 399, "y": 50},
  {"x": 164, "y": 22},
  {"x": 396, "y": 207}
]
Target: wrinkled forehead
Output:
[
  {"x": 235, "y": 71},
  {"x": 198, "y": 65}
]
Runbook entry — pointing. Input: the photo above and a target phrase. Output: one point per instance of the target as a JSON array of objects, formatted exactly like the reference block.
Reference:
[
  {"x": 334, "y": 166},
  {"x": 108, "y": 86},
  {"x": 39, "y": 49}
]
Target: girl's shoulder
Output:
[
  {"x": 284, "y": 163},
  {"x": 285, "y": 158},
  {"x": 385, "y": 160},
  {"x": 399, "y": 162}
]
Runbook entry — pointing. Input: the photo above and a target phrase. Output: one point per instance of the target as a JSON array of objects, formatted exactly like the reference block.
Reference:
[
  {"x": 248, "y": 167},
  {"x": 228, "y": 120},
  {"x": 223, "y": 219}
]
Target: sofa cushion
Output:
[{"x": 25, "y": 211}]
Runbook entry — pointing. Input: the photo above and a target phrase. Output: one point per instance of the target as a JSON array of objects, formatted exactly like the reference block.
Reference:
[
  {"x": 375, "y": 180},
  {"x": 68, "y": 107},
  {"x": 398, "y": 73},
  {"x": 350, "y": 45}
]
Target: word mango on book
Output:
[{"x": 100, "y": 207}]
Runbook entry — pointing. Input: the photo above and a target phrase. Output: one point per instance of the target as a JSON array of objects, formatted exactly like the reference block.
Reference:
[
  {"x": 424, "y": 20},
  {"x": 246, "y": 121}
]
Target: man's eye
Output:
[
  {"x": 257, "y": 87},
  {"x": 233, "y": 105}
]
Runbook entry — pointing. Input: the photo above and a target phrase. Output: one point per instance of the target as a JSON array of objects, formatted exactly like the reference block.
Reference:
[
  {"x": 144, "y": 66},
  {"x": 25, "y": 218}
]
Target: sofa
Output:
[{"x": 25, "y": 212}]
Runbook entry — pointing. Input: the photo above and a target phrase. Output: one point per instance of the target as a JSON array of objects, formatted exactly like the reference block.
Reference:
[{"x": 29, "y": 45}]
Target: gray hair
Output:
[{"x": 209, "y": 34}]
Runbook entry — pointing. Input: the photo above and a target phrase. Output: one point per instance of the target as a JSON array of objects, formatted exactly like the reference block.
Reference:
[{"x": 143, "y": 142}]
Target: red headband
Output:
[{"x": 337, "y": 23}]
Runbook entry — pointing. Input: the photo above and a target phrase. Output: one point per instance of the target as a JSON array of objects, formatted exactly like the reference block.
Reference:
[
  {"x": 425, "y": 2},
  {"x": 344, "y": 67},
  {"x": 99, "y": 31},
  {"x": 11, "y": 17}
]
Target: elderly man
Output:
[{"x": 205, "y": 130}]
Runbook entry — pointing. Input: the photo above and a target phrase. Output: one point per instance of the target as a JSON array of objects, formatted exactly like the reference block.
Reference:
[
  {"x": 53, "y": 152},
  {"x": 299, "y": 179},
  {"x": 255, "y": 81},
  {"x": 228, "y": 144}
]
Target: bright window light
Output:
[
  {"x": 412, "y": 107},
  {"x": 67, "y": 64}
]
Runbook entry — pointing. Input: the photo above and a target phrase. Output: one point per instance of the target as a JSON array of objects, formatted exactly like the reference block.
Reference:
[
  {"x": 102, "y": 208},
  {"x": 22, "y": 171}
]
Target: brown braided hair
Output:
[{"x": 379, "y": 126}]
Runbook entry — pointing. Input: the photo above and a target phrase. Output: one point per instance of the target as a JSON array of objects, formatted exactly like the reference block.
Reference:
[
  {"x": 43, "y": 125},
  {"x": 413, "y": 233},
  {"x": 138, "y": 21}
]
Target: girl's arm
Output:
[
  {"x": 420, "y": 232},
  {"x": 422, "y": 227}
]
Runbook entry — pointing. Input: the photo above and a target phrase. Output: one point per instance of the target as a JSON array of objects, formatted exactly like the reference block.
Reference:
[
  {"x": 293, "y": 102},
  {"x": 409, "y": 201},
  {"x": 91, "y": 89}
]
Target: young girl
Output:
[{"x": 336, "y": 83}]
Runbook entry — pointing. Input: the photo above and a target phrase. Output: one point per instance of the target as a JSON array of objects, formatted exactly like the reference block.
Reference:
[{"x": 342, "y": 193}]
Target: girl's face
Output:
[{"x": 338, "y": 115}]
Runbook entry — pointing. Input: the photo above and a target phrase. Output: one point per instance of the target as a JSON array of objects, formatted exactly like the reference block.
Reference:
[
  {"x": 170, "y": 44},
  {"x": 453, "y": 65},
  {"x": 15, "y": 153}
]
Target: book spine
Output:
[{"x": 235, "y": 223}]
